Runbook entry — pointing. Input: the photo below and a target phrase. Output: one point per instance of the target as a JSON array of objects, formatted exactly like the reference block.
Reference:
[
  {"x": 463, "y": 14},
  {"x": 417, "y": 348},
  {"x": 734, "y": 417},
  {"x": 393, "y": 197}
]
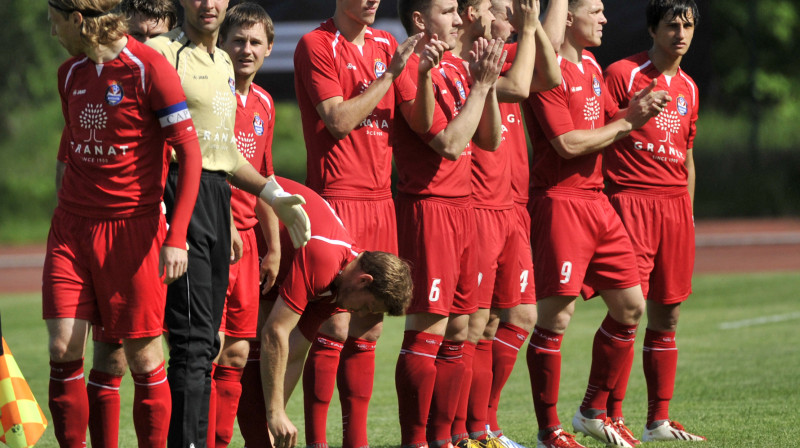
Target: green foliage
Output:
[{"x": 738, "y": 387}]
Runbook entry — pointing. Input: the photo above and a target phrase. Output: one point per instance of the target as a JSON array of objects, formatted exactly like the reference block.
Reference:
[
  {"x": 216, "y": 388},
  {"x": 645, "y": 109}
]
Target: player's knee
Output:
[
  {"x": 64, "y": 350},
  {"x": 235, "y": 352},
  {"x": 337, "y": 327}
]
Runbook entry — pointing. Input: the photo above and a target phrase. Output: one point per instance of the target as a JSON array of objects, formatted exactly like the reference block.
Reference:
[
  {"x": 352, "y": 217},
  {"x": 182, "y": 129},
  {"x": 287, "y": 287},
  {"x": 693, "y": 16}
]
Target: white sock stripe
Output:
[
  {"x": 151, "y": 384},
  {"x": 410, "y": 352},
  {"x": 543, "y": 349},
  {"x": 103, "y": 386},
  {"x": 616, "y": 338},
  {"x": 448, "y": 357},
  {"x": 64, "y": 380},
  {"x": 655, "y": 349},
  {"x": 506, "y": 344}
]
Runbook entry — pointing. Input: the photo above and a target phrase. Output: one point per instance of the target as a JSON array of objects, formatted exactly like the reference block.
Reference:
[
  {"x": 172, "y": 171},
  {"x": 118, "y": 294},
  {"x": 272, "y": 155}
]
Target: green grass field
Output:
[{"x": 738, "y": 374}]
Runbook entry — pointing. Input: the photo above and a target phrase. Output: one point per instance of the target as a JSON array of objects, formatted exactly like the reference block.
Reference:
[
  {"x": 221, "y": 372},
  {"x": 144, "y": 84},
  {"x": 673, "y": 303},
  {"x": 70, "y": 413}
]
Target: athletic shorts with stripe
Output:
[
  {"x": 106, "y": 271},
  {"x": 498, "y": 246},
  {"x": 661, "y": 228},
  {"x": 581, "y": 244},
  {"x": 240, "y": 317},
  {"x": 371, "y": 223},
  {"x": 522, "y": 232},
  {"x": 434, "y": 235}
]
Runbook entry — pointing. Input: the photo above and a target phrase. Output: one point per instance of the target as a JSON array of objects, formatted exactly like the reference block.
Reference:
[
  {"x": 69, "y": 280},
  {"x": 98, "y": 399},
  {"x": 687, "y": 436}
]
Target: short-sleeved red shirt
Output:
[
  {"x": 255, "y": 122},
  {"x": 655, "y": 154},
  {"x": 326, "y": 66}
]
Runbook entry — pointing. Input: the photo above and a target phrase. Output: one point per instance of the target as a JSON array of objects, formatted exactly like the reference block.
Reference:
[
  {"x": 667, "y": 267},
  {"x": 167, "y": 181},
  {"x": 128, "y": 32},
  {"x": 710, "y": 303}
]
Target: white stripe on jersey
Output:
[
  {"x": 335, "y": 42},
  {"x": 382, "y": 40},
  {"x": 138, "y": 62},
  {"x": 587, "y": 58},
  {"x": 330, "y": 241},
  {"x": 635, "y": 71},
  {"x": 69, "y": 73},
  {"x": 694, "y": 88}
]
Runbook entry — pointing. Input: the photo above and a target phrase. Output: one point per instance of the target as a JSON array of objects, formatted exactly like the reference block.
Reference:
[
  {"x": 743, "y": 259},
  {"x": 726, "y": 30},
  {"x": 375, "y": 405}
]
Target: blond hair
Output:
[{"x": 101, "y": 24}]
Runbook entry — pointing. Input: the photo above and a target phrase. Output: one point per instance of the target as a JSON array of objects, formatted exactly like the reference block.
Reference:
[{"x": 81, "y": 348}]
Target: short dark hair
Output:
[
  {"x": 247, "y": 15},
  {"x": 464, "y": 4},
  {"x": 157, "y": 10},
  {"x": 660, "y": 9},
  {"x": 406, "y": 8},
  {"x": 391, "y": 280}
]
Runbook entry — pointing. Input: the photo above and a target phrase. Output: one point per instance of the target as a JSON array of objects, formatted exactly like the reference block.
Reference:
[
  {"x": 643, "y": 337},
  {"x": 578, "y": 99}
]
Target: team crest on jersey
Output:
[
  {"x": 232, "y": 83},
  {"x": 114, "y": 93},
  {"x": 683, "y": 108},
  {"x": 380, "y": 68},
  {"x": 596, "y": 85},
  {"x": 258, "y": 125},
  {"x": 461, "y": 91}
]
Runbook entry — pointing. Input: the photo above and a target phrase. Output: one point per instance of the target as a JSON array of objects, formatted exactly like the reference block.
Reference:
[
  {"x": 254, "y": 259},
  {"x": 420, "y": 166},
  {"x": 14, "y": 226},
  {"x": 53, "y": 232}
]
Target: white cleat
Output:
[
  {"x": 602, "y": 430},
  {"x": 670, "y": 430},
  {"x": 503, "y": 440}
]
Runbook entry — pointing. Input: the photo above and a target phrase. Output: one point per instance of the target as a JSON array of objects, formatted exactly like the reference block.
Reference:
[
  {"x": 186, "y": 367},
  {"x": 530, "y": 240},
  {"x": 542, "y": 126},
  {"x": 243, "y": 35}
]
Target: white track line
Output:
[{"x": 759, "y": 321}]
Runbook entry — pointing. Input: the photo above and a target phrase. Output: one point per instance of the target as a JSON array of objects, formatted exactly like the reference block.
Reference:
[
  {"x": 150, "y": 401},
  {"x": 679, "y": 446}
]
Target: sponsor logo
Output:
[
  {"x": 350, "y": 66},
  {"x": 380, "y": 68},
  {"x": 258, "y": 125},
  {"x": 576, "y": 89},
  {"x": 79, "y": 91},
  {"x": 683, "y": 108},
  {"x": 596, "y": 85},
  {"x": 461, "y": 92},
  {"x": 114, "y": 93}
]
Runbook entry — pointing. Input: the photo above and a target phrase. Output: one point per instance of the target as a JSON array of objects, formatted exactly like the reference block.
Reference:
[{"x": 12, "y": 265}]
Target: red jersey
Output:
[
  {"x": 512, "y": 122},
  {"x": 420, "y": 169},
  {"x": 492, "y": 171},
  {"x": 117, "y": 117},
  {"x": 307, "y": 274},
  {"x": 655, "y": 154},
  {"x": 580, "y": 102},
  {"x": 327, "y": 65},
  {"x": 255, "y": 121}
]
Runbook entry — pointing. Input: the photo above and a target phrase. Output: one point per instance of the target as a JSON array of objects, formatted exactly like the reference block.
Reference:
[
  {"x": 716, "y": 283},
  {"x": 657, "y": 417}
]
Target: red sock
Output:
[
  {"x": 211, "y": 430},
  {"x": 544, "y": 366},
  {"x": 354, "y": 379},
  {"x": 152, "y": 407},
  {"x": 69, "y": 404},
  {"x": 229, "y": 389},
  {"x": 446, "y": 391},
  {"x": 252, "y": 413},
  {"x": 459, "y": 429},
  {"x": 612, "y": 344},
  {"x": 319, "y": 379},
  {"x": 414, "y": 378},
  {"x": 660, "y": 360},
  {"x": 103, "y": 392},
  {"x": 505, "y": 348},
  {"x": 479, "y": 391},
  {"x": 617, "y": 395}
]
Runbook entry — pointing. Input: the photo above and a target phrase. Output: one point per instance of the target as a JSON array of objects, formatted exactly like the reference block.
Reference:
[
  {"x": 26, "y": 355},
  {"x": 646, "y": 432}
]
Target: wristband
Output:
[{"x": 271, "y": 191}]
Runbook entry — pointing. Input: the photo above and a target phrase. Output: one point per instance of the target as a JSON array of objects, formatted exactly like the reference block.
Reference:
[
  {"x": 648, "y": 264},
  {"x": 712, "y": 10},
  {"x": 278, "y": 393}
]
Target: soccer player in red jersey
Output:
[
  {"x": 581, "y": 246},
  {"x": 328, "y": 273},
  {"x": 492, "y": 195},
  {"x": 149, "y": 18},
  {"x": 349, "y": 79},
  {"x": 651, "y": 185},
  {"x": 109, "y": 247},
  {"x": 435, "y": 220},
  {"x": 246, "y": 35}
]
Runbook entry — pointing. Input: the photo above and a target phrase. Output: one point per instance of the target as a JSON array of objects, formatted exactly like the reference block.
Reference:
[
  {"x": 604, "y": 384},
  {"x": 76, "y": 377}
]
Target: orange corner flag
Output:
[{"x": 22, "y": 418}]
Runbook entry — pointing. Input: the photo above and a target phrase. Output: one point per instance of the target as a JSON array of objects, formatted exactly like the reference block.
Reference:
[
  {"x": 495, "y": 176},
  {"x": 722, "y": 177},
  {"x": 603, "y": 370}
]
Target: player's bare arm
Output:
[
  {"x": 515, "y": 84},
  {"x": 288, "y": 207},
  {"x": 418, "y": 113},
  {"x": 341, "y": 117},
  {"x": 450, "y": 142},
  {"x": 644, "y": 105},
  {"x": 554, "y": 23},
  {"x": 546, "y": 72},
  {"x": 487, "y": 68},
  {"x": 272, "y": 259},
  {"x": 274, "y": 356}
]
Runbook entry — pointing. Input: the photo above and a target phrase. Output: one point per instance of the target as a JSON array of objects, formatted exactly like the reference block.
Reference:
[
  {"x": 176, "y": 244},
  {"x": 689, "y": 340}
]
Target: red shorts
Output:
[
  {"x": 497, "y": 246},
  {"x": 106, "y": 271},
  {"x": 581, "y": 245},
  {"x": 240, "y": 316},
  {"x": 661, "y": 228},
  {"x": 371, "y": 223},
  {"x": 434, "y": 235},
  {"x": 525, "y": 265}
]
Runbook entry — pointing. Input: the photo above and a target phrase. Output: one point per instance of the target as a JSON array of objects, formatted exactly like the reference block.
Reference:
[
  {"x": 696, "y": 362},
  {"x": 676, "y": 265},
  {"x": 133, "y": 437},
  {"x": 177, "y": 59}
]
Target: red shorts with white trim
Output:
[
  {"x": 106, "y": 271},
  {"x": 434, "y": 235},
  {"x": 661, "y": 228},
  {"x": 581, "y": 245},
  {"x": 522, "y": 232},
  {"x": 498, "y": 247},
  {"x": 240, "y": 316},
  {"x": 371, "y": 223}
]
